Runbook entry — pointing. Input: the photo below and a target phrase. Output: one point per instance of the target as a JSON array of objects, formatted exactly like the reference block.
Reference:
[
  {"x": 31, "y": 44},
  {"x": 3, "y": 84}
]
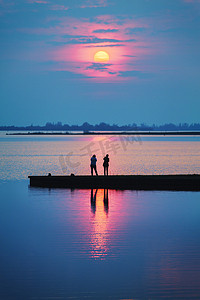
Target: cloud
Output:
[
  {"x": 94, "y": 3},
  {"x": 71, "y": 75},
  {"x": 72, "y": 39},
  {"x": 108, "y": 19},
  {"x": 82, "y": 39},
  {"x": 38, "y": 1},
  {"x": 105, "y": 30},
  {"x": 107, "y": 45},
  {"x": 72, "y": 43},
  {"x": 134, "y": 73},
  {"x": 134, "y": 30},
  {"x": 126, "y": 55},
  {"x": 59, "y": 7},
  {"x": 112, "y": 73},
  {"x": 98, "y": 67}
]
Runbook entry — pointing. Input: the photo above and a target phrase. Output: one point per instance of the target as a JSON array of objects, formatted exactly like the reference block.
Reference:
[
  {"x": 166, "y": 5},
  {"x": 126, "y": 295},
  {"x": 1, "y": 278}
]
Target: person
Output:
[
  {"x": 93, "y": 164},
  {"x": 106, "y": 164}
]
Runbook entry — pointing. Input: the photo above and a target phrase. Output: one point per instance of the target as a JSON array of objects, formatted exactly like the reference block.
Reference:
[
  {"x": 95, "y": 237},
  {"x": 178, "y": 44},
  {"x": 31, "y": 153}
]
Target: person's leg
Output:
[
  {"x": 91, "y": 170},
  {"x": 104, "y": 171},
  {"x": 95, "y": 168}
]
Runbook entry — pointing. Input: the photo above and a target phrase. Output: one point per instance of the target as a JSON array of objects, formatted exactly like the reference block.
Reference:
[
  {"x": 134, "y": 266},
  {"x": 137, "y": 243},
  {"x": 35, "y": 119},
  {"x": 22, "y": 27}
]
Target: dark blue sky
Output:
[{"x": 48, "y": 70}]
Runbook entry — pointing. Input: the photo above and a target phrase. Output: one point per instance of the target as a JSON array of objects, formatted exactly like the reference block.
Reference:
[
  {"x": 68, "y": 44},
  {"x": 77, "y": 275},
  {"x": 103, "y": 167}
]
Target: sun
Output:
[{"x": 101, "y": 56}]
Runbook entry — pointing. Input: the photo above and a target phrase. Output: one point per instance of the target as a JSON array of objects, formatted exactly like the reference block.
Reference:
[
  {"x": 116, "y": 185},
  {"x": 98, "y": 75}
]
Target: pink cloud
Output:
[
  {"x": 73, "y": 42},
  {"x": 38, "y": 1},
  {"x": 94, "y": 3},
  {"x": 81, "y": 39},
  {"x": 59, "y": 7}
]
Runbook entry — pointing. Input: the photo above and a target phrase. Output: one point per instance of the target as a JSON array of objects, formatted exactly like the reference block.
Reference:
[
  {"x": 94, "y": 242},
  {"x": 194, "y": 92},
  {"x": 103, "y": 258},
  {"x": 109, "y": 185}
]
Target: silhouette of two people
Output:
[{"x": 93, "y": 164}]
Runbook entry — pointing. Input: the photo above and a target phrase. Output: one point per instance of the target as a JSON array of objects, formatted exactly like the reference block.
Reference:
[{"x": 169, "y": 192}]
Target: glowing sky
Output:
[{"x": 50, "y": 70}]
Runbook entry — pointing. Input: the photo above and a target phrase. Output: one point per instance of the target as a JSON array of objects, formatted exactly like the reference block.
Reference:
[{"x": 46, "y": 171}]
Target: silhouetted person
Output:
[
  {"x": 105, "y": 200},
  {"x": 106, "y": 164},
  {"x": 93, "y": 164},
  {"x": 93, "y": 200}
]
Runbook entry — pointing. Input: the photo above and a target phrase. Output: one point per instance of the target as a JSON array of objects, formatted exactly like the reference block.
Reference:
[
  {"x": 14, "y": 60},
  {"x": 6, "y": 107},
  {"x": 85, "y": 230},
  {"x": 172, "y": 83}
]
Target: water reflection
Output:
[
  {"x": 105, "y": 200},
  {"x": 93, "y": 200},
  {"x": 99, "y": 223},
  {"x": 128, "y": 245}
]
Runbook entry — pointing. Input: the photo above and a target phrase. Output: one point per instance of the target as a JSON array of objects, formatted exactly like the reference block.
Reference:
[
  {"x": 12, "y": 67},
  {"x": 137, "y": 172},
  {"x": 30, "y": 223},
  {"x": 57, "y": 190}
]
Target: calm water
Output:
[
  {"x": 98, "y": 244},
  {"x": 21, "y": 156}
]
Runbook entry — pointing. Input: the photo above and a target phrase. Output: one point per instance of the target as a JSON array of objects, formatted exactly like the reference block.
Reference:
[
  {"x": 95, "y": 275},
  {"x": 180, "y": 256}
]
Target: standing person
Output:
[
  {"x": 106, "y": 164},
  {"x": 93, "y": 164}
]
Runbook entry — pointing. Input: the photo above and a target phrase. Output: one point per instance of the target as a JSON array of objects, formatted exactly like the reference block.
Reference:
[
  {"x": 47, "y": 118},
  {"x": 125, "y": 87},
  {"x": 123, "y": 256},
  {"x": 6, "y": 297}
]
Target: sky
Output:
[{"x": 113, "y": 61}]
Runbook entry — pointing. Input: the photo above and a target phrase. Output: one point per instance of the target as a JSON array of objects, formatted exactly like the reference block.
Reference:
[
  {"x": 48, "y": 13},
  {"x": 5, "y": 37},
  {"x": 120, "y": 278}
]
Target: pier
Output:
[{"x": 120, "y": 182}]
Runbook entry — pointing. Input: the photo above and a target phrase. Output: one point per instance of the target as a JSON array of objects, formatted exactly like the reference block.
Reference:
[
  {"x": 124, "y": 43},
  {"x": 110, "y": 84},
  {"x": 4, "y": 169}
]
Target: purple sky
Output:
[{"x": 48, "y": 71}]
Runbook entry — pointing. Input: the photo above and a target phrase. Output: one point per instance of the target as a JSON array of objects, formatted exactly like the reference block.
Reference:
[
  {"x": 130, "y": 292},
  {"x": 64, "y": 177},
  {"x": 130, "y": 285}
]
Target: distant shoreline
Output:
[
  {"x": 103, "y": 127},
  {"x": 110, "y": 133}
]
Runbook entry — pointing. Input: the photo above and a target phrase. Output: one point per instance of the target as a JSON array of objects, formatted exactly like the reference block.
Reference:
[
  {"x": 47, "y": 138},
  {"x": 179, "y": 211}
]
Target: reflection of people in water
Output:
[
  {"x": 94, "y": 197},
  {"x": 93, "y": 200},
  {"x": 105, "y": 200},
  {"x": 106, "y": 164}
]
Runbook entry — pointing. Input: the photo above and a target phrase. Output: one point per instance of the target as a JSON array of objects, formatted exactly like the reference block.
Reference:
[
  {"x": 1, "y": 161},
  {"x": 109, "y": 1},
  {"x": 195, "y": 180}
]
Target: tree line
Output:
[{"x": 85, "y": 127}]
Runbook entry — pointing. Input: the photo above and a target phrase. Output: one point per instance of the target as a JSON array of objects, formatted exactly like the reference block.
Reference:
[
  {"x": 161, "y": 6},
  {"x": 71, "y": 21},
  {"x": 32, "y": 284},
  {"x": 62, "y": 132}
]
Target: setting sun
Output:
[{"x": 101, "y": 56}]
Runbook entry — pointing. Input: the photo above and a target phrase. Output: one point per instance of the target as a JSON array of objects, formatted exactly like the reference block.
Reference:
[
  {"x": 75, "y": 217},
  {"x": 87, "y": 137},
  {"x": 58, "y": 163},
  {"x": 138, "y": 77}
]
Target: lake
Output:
[{"x": 98, "y": 244}]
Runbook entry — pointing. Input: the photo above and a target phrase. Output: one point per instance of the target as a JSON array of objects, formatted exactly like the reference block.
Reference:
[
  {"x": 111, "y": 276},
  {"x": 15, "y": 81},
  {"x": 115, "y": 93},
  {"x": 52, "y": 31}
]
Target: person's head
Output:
[
  {"x": 94, "y": 155},
  {"x": 107, "y": 155}
]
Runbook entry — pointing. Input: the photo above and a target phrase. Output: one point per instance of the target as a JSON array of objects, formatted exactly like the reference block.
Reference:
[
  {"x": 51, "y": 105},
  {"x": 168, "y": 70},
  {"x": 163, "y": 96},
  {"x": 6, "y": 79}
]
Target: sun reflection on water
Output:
[{"x": 99, "y": 223}]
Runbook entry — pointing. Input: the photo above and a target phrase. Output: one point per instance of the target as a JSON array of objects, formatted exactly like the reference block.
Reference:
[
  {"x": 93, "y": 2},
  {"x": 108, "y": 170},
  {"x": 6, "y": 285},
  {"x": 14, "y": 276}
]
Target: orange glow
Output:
[
  {"x": 101, "y": 56},
  {"x": 99, "y": 223},
  {"x": 104, "y": 54},
  {"x": 101, "y": 216}
]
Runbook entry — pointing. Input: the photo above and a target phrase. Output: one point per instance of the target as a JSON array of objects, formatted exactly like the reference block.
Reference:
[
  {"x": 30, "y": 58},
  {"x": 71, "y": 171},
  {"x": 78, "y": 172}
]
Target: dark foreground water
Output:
[{"x": 83, "y": 244}]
